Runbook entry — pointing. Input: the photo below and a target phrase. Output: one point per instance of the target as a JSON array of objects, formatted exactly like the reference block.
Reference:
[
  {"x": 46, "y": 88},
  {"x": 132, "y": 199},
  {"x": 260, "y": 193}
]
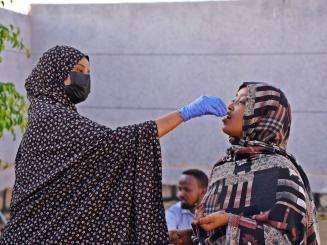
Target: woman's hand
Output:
[
  {"x": 204, "y": 105},
  {"x": 212, "y": 221},
  {"x": 180, "y": 237}
]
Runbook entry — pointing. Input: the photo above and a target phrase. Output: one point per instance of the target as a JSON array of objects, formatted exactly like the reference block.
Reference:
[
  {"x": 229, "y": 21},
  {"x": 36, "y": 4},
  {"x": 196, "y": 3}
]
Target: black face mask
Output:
[{"x": 79, "y": 88}]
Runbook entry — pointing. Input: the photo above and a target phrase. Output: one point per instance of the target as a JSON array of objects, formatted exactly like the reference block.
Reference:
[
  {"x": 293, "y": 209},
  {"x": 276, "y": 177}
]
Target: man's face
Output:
[{"x": 189, "y": 191}]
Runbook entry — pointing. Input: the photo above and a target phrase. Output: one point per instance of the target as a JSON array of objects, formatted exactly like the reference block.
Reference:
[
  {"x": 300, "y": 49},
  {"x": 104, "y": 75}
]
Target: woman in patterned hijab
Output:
[
  {"x": 81, "y": 182},
  {"x": 257, "y": 193}
]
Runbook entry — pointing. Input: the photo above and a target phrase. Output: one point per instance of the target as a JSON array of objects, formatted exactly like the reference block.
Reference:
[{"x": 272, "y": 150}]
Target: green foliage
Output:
[
  {"x": 11, "y": 34},
  {"x": 13, "y": 109},
  {"x": 4, "y": 165},
  {"x": 13, "y": 105}
]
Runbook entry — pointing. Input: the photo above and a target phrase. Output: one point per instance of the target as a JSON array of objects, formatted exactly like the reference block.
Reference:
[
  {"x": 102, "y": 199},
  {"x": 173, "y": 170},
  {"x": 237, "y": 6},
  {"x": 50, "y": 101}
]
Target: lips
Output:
[{"x": 228, "y": 116}]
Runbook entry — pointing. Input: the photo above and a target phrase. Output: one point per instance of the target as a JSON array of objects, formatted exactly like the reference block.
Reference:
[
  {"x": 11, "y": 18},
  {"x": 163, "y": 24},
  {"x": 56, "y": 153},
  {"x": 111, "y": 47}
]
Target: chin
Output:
[
  {"x": 186, "y": 205},
  {"x": 225, "y": 130},
  {"x": 230, "y": 132}
]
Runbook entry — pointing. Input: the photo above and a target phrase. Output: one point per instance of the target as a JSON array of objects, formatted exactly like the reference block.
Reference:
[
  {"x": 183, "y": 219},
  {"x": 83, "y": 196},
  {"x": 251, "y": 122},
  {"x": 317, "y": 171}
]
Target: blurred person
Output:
[
  {"x": 258, "y": 193},
  {"x": 3, "y": 222},
  {"x": 192, "y": 186},
  {"x": 81, "y": 182}
]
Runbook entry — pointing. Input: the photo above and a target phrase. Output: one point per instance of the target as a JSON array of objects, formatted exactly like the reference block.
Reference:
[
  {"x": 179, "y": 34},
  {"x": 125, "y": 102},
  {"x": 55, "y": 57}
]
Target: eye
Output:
[
  {"x": 241, "y": 101},
  {"x": 236, "y": 101},
  {"x": 244, "y": 100}
]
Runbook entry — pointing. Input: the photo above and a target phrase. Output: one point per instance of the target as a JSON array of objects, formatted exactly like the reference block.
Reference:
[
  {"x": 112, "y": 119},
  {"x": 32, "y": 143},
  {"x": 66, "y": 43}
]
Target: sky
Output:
[{"x": 23, "y": 6}]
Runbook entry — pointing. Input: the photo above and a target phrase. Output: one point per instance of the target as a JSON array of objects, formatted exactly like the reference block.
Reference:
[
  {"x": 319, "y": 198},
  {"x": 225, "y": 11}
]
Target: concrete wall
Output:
[{"x": 148, "y": 59}]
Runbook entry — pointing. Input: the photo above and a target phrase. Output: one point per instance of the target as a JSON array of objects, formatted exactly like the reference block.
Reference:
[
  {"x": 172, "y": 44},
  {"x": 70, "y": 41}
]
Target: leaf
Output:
[
  {"x": 13, "y": 107},
  {"x": 13, "y": 110},
  {"x": 11, "y": 34}
]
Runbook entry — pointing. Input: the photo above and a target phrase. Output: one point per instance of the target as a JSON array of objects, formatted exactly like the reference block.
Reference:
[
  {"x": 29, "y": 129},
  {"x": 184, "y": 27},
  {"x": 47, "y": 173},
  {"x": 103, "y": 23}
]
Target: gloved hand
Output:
[{"x": 204, "y": 105}]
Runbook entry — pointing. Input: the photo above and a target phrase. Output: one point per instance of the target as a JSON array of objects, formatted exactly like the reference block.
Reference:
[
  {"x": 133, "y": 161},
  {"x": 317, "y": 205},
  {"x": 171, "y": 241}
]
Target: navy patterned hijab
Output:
[
  {"x": 78, "y": 181},
  {"x": 47, "y": 78}
]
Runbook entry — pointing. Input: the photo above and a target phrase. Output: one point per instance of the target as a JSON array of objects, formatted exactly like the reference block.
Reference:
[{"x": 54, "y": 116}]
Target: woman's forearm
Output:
[
  {"x": 168, "y": 122},
  {"x": 204, "y": 105}
]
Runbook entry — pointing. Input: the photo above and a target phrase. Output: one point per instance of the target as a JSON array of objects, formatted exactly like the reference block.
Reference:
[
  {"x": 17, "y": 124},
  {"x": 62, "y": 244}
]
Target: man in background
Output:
[{"x": 192, "y": 186}]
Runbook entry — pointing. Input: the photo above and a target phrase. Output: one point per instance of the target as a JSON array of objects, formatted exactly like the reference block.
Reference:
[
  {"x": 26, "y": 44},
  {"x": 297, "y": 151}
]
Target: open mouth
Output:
[{"x": 228, "y": 116}]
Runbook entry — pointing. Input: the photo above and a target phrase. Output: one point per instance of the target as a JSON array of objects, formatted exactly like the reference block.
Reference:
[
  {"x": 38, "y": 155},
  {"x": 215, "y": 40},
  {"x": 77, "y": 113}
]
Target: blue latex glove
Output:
[{"x": 204, "y": 105}]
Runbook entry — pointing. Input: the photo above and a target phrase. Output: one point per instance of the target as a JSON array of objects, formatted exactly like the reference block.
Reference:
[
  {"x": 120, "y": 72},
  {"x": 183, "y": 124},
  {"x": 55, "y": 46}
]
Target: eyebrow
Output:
[
  {"x": 81, "y": 65},
  {"x": 238, "y": 97}
]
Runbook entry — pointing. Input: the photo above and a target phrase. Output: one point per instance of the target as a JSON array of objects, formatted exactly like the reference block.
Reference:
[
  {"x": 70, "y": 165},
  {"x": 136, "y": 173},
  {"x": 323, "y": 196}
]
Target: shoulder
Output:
[
  {"x": 176, "y": 208},
  {"x": 282, "y": 165},
  {"x": 56, "y": 114},
  {"x": 45, "y": 110},
  {"x": 273, "y": 161}
]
